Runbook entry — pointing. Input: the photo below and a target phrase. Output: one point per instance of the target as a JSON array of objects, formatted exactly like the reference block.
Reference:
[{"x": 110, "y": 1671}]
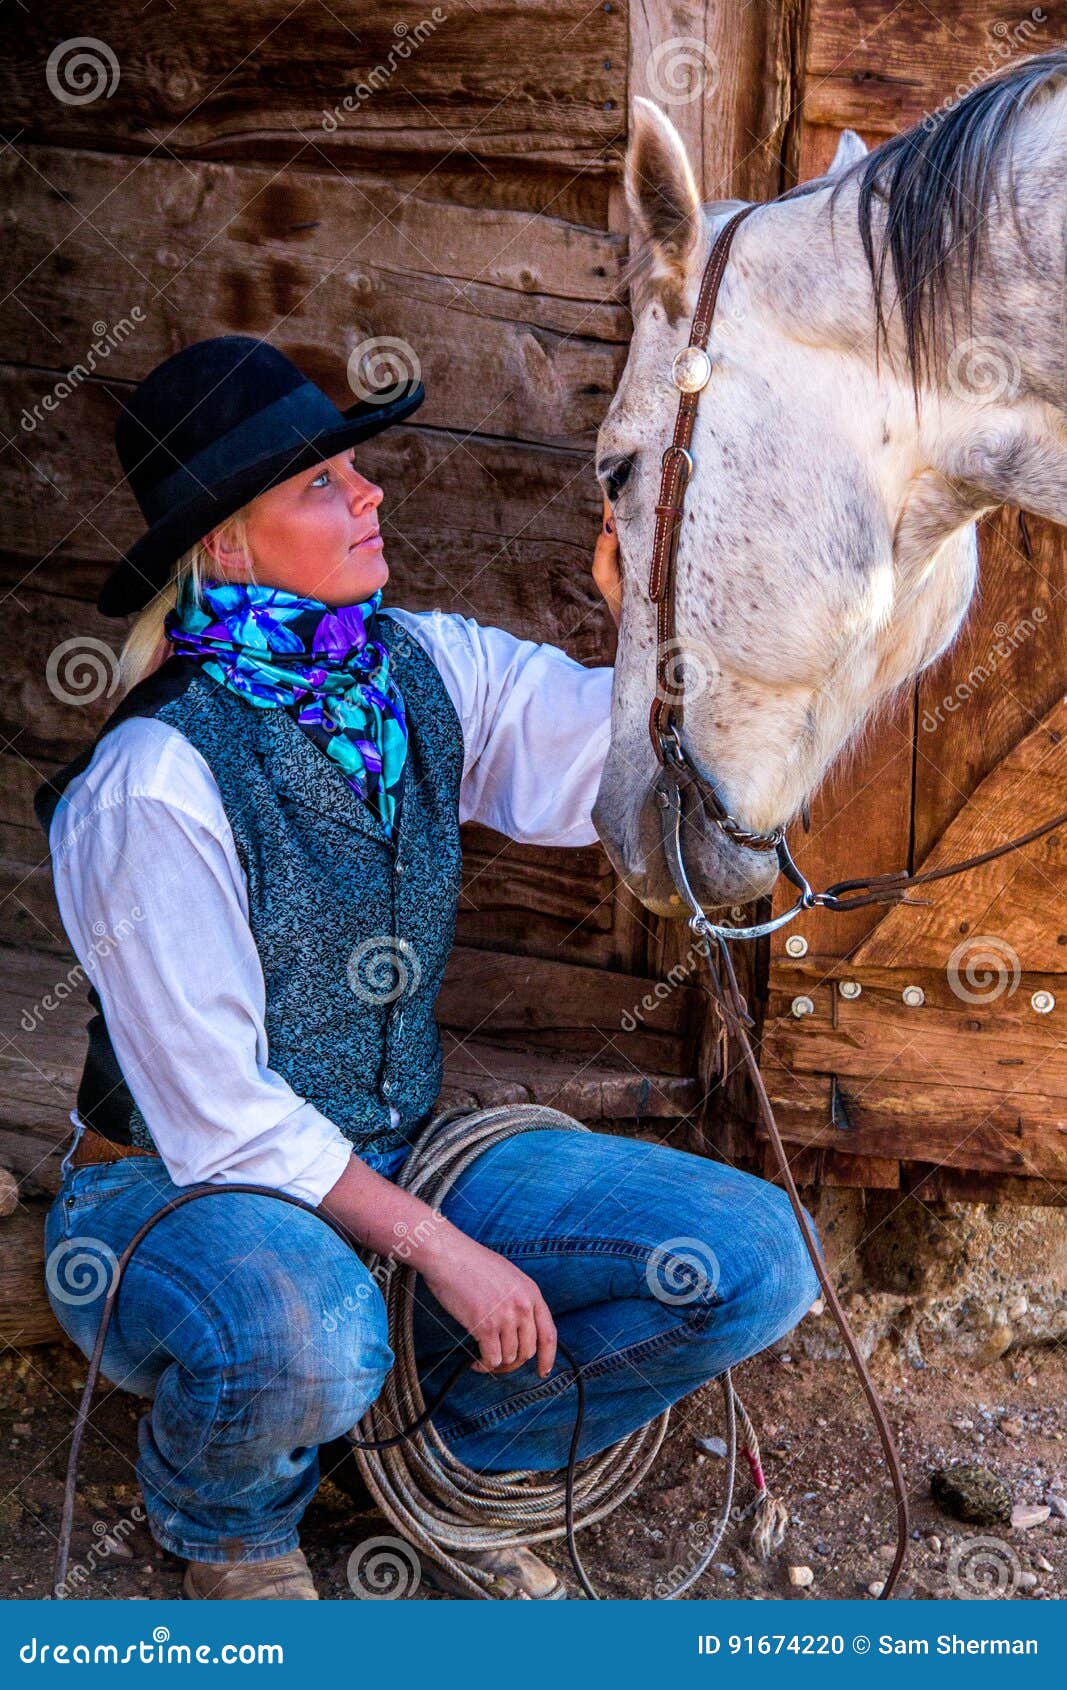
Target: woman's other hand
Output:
[{"x": 606, "y": 571}]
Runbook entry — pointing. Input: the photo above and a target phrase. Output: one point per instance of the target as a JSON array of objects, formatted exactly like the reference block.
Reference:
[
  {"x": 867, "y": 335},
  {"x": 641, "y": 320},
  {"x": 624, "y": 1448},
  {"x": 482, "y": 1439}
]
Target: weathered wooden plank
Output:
[
  {"x": 961, "y": 1127},
  {"x": 259, "y": 77},
  {"x": 1001, "y": 1045},
  {"x": 572, "y": 886},
  {"x": 598, "y": 1014},
  {"x": 886, "y": 67},
  {"x": 25, "y": 1315},
  {"x": 479, "y": 1074},
  {"x": 335, "y": 276},
  {"x": 1014, "y": 907},
  {"x": 955, "y": 1185}
]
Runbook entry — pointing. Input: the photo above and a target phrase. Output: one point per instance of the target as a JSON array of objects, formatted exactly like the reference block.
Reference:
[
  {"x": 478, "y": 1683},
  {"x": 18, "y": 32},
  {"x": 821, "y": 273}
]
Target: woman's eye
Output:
[
  {"x": 616, "y": 475},
  {"x": 324, "y": 476}
]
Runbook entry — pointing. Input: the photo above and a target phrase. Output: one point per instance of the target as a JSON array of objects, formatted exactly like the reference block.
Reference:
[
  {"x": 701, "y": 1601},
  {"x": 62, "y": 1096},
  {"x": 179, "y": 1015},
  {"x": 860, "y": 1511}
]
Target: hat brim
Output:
[{"x": 147, "y": 566}]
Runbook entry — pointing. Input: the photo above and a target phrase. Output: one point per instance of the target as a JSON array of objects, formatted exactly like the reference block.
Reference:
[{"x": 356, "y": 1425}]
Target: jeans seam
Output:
[{"x": 690, "y": 1326}]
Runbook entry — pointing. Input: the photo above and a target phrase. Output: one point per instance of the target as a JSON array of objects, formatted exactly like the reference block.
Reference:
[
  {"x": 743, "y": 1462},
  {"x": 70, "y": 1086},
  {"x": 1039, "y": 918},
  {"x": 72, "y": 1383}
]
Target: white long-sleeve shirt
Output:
[{"x": 155, "y": 901}]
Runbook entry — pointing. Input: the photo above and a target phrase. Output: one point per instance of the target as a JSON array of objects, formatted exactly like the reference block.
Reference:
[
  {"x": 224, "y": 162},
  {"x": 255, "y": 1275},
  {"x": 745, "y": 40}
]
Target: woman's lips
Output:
[{"x": 371, "y": 540}]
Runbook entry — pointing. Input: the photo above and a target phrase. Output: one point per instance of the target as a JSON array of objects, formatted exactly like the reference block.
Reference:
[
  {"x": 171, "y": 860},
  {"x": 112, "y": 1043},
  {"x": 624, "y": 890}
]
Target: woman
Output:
[{"x": 273, "y": 805}]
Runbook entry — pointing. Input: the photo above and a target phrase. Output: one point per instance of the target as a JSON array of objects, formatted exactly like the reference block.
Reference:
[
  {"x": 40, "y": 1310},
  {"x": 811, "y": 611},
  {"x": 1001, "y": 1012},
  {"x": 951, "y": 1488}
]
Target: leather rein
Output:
[{"x": 684, "y": 789}]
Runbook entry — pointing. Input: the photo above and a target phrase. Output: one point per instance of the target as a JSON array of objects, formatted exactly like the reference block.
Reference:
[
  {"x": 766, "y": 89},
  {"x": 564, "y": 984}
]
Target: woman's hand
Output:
[
  {"x": 496, "y": 1303},
  {"x": 606, "y": 572}
]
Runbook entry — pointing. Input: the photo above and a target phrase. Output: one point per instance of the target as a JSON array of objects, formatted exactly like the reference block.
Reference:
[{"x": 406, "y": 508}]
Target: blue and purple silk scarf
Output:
[{"x": 325, "y": 667}]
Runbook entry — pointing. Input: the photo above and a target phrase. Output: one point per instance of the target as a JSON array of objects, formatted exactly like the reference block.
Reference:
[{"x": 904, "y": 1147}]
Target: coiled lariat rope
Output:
[{"x": 445, "y": 1508}]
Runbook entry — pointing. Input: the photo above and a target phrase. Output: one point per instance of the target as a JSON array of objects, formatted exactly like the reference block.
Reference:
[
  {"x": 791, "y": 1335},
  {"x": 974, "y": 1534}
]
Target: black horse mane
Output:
[{"x": 935, "y": 183}]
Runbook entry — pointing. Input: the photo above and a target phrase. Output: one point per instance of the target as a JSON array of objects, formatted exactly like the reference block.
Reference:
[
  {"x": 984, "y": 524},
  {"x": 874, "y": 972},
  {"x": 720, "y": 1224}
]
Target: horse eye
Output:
[{"x": 615, "y": 475}]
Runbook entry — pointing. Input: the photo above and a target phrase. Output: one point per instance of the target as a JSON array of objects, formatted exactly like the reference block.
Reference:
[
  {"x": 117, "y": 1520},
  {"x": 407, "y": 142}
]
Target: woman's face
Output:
[{"x": 315, "y": 534}]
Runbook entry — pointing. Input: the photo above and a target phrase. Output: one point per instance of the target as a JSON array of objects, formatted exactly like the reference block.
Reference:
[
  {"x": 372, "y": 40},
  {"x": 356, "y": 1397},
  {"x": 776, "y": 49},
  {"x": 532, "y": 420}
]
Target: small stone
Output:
[
  {"x": 1058, "y": 1504},
  {"x": 712, "y": 1446},
  {"x": 727, "y": 1572},
  {"x": 1025, "y": 1581},
  {"x": 786, "y": 1360},
  {"x": 887, "y": 1551},
  {"x": 1011, "y": 1428},
  {"x": 21, "y": 1429},
  {"x": 801, "y": 1577},
  {"x": 969, "y": 1492},
  {"x": 817, "y": 1307},
  {"x": 933, "y": 1543},
  {"x": 999, "y": 1340},
  {"x": 1028, "y": 1514},
  {"x": 962, "y": 1425},
  {"x": 876, "y": 1587},
  {"x": 822, "y": 1549},
  {"x": 1043, "y": 1565}
]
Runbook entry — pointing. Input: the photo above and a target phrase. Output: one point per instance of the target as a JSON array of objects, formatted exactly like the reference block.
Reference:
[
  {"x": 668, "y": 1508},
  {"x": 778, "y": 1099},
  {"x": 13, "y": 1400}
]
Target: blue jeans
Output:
[{"x": 259, "y": 1334}]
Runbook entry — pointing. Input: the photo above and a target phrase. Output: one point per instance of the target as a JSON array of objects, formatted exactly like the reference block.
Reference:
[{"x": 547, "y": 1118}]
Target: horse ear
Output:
[
  {"x": 663, "y": 202},
  {"x": 850, "y": 148}
]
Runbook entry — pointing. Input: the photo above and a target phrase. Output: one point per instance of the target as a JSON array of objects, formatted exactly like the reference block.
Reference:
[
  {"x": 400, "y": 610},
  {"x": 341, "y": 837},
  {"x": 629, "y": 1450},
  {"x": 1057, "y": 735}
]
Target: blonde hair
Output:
[{"x": 146, "y": 645}]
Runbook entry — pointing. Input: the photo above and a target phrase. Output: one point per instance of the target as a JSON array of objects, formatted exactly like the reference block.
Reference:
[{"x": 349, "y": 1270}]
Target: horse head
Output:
[{"x": 887, "y": 364}]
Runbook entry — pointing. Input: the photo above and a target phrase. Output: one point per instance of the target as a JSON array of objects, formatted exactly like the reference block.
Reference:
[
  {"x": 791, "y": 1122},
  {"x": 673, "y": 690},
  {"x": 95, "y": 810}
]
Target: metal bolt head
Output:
[
  {"x": 802, "y": 1006},
  {"x": 796, "y": 945},
  {"x": 691, "y": 369},
  {"x": 1043, "y": 1002},
  {"x": 849, "y": 988},
  {"x": 913, "y": 996}
]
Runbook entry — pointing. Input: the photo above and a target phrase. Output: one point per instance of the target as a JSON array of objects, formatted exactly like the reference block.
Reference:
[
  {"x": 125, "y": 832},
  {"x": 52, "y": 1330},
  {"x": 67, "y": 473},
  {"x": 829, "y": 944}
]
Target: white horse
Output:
[{"x": 888, "y": 363}]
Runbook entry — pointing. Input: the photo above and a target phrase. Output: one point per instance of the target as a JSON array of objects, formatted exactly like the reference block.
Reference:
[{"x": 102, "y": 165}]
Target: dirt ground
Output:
[{"x": 821, "y": 1454}]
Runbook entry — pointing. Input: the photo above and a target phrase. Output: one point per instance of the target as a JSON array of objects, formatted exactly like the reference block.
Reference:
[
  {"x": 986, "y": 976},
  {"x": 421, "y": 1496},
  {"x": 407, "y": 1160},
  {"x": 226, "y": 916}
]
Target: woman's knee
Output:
[
  {"x": 772, "y": 1282},
  {"x": 320, "y": 1357}
]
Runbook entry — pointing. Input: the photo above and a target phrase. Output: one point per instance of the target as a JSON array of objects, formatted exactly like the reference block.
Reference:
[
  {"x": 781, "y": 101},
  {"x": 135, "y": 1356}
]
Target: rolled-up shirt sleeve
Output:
[
  {"x": 154, "y": 902},
  {"x": 536, "y": 727}
]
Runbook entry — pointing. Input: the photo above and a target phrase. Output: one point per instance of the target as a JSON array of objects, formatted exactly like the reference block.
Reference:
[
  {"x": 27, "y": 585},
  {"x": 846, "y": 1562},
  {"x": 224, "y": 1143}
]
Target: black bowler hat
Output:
[{"x": 211, "y": 427}]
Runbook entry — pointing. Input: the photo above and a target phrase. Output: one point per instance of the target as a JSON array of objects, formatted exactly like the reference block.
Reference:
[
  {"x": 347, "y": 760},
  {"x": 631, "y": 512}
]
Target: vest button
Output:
[
  {"x": 387, "y": 1088},
  {"x": 398, "y": 869}
]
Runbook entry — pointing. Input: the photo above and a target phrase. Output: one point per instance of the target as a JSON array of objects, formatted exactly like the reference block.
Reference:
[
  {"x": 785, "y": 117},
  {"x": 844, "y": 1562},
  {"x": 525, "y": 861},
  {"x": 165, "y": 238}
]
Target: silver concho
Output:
[{"x": 691, "y": 369}]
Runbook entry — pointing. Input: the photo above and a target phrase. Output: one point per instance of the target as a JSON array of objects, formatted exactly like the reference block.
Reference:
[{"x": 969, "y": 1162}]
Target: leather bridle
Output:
[{"x": 684, "y": 789}]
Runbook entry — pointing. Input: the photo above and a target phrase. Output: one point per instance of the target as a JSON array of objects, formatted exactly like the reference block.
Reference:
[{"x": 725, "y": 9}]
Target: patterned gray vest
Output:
[{"x": 353, "y": 930}]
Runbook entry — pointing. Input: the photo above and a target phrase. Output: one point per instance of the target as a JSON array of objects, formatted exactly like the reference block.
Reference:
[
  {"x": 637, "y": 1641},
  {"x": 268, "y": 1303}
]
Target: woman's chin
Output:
[{"x": 363, "y": 577}]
